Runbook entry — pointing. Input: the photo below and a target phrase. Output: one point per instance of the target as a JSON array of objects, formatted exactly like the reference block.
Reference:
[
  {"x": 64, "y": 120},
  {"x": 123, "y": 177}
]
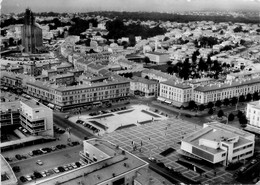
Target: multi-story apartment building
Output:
[
  {"x": 253, "y": 115},
  {"x": 176, "y": 93},
  {"x": 144, "y": 87},
  {"x": 219, "y": 144},
  {"x": 36, "y": 118},
  {"x": 229, "y": 89},
  {"x": 10, "y": 114},
  {"x": 104, "y": 163},
  {"x": 65, "y": 97}
]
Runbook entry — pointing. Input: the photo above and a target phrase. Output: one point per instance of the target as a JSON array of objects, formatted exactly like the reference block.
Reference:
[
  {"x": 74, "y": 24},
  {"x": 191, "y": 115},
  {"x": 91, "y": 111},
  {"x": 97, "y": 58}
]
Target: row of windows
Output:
[{"x": 242, "y": 148}]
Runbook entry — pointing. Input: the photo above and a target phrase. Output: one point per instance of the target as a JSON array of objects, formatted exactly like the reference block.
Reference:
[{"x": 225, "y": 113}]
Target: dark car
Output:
[
  {"x": 18, "y": 156},
  {"x": 37, "y": 175},
  {"x": 23, "y": 179},
  {"x": 75, "y": 143},
  {"x": 79, "y": 121},
  {"x": 16, "y": 169},
  {"x": 61, "y": 169},
  {"x": 37, "y": 152}
]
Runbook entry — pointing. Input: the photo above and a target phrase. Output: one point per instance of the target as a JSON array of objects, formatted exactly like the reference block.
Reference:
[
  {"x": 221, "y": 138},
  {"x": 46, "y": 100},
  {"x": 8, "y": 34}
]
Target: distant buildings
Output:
[
  {"x": 104, "y": 164},
  {"x": 31, "y": 34},
  {"x": 219, "y": 144}
]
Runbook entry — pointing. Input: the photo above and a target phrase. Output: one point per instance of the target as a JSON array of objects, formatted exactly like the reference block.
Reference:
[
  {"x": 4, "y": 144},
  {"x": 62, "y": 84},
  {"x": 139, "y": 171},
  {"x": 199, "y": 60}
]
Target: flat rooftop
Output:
[
  {"x": 101, "y": 171},
  {"x": 217, "y": 133},
  {"x": 14, "y": 106},
  {"x": 33, "y": 104},
  {"x": 7, "y": 172}
]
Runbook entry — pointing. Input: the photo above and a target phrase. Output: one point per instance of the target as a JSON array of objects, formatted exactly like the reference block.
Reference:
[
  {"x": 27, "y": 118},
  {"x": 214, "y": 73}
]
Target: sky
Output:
[{"x": 17, "y": 6}]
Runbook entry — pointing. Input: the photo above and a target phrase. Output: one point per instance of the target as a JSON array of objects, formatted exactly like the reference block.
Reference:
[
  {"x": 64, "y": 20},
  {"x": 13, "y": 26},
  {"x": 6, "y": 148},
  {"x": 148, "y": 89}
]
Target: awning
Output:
[
  {"x": 166, "y": 101},
  {"x": 95, "y": 103},
  {"x": 160, "y": 99},
  {"x": 50, "y": 105}
]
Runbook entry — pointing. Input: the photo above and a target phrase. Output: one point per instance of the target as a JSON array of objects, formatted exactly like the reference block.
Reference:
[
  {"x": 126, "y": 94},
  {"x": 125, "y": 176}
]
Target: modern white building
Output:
[
  {"x": 104, "y": 164},
  {"x": 36, "y": 118},
  {"x": 158, "y": 58},
  {"x": 253, "y": 115},
  {"x": 218, "y": 143},
  {"x": 174, "y": 92}
]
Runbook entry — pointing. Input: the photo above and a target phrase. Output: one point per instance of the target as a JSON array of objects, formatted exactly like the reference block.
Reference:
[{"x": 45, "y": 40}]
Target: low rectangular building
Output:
[
  {"x": 10, "y": 114},
  {"x": 158, "y": 58},
  {"x": 218, "y": 143},
  {"x": 104, "y": 164}
]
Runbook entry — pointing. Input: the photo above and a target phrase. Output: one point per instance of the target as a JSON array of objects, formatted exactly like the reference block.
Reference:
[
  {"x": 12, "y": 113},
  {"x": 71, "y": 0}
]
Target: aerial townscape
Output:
[{"x": 130, "y": 92}]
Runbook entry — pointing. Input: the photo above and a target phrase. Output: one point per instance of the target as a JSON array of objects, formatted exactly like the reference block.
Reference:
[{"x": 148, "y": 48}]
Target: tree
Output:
[
  {"x": 239, "y": 114},
  {"x": 220, "y": 113},
  {"x": 202, "y": 107},
  {"x": 11, "y": 41},
  {"x": 146, "y": 77},
  {"x": 218, "y": 103},
  {"x": 234, "y": 100},
  {"x": 147, "y": 60},
  {"x": 243, "y": 121},
  {"x": 210, "y": 105},
  {"x": 210, "y": 112},
  {"x": 231, "y": 117},
  {"x": 191, "y": 104},
  {"x": 248, "y": 97},
  {"x": 226, "y": 101},
  {"x": 242, "y": 98},
  {"x": 170, "y": 70},
  {"x": 169, "y": 63},
  {"x": 255, "y": 96}
]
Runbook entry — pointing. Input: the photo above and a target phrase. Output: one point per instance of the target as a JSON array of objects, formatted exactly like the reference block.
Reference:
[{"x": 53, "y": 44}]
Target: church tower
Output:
[{"x": 31, "y": 33}]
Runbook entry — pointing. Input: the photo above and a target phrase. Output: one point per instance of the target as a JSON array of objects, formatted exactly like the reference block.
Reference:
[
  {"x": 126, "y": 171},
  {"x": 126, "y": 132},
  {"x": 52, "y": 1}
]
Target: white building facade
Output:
[
  {"x": 36, "y": 118},
  {"x": 219, "y": 144}
]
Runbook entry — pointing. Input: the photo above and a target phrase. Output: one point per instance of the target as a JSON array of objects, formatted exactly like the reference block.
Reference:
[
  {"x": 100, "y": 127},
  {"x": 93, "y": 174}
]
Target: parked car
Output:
[
  {"x": 61, "y": 169},
  {"x": 47, "y": 172},
  {"x": 56, "y": 170},
  {"x": 29, "y": 178},
  {"x": 39, "y": 162},
  {"x": 18, "y": 156},
  {"x": 37, "y": 175},
  {"x": 43, "y": 151},
  {"x": 43, "y": 174},
  {"x": 31, "y": 153},
  {"x": 46, "y": 149}
]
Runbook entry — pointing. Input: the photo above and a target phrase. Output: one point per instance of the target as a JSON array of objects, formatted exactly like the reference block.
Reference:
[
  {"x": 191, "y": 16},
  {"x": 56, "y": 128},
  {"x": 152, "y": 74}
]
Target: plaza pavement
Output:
[
  {"x": 118, "y": 119},
  {"x": 161, "y": 135}
]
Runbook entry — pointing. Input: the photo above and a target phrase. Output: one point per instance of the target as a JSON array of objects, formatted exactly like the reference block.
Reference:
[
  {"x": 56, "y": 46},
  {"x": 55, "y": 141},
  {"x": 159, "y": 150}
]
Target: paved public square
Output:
[
  {"x": 135, "y": 115},
  {"x": 161, "y": 135}
]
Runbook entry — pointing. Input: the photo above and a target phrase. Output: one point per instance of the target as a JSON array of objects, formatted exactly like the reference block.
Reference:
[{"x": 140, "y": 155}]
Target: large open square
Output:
[
  {"x": 135, "y": 115},
  {"x": 159, "y": 136}
]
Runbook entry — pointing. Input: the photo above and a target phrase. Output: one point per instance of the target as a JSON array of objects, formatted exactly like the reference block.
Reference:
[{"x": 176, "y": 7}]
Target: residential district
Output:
[{"x": 175, "y": 105}]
